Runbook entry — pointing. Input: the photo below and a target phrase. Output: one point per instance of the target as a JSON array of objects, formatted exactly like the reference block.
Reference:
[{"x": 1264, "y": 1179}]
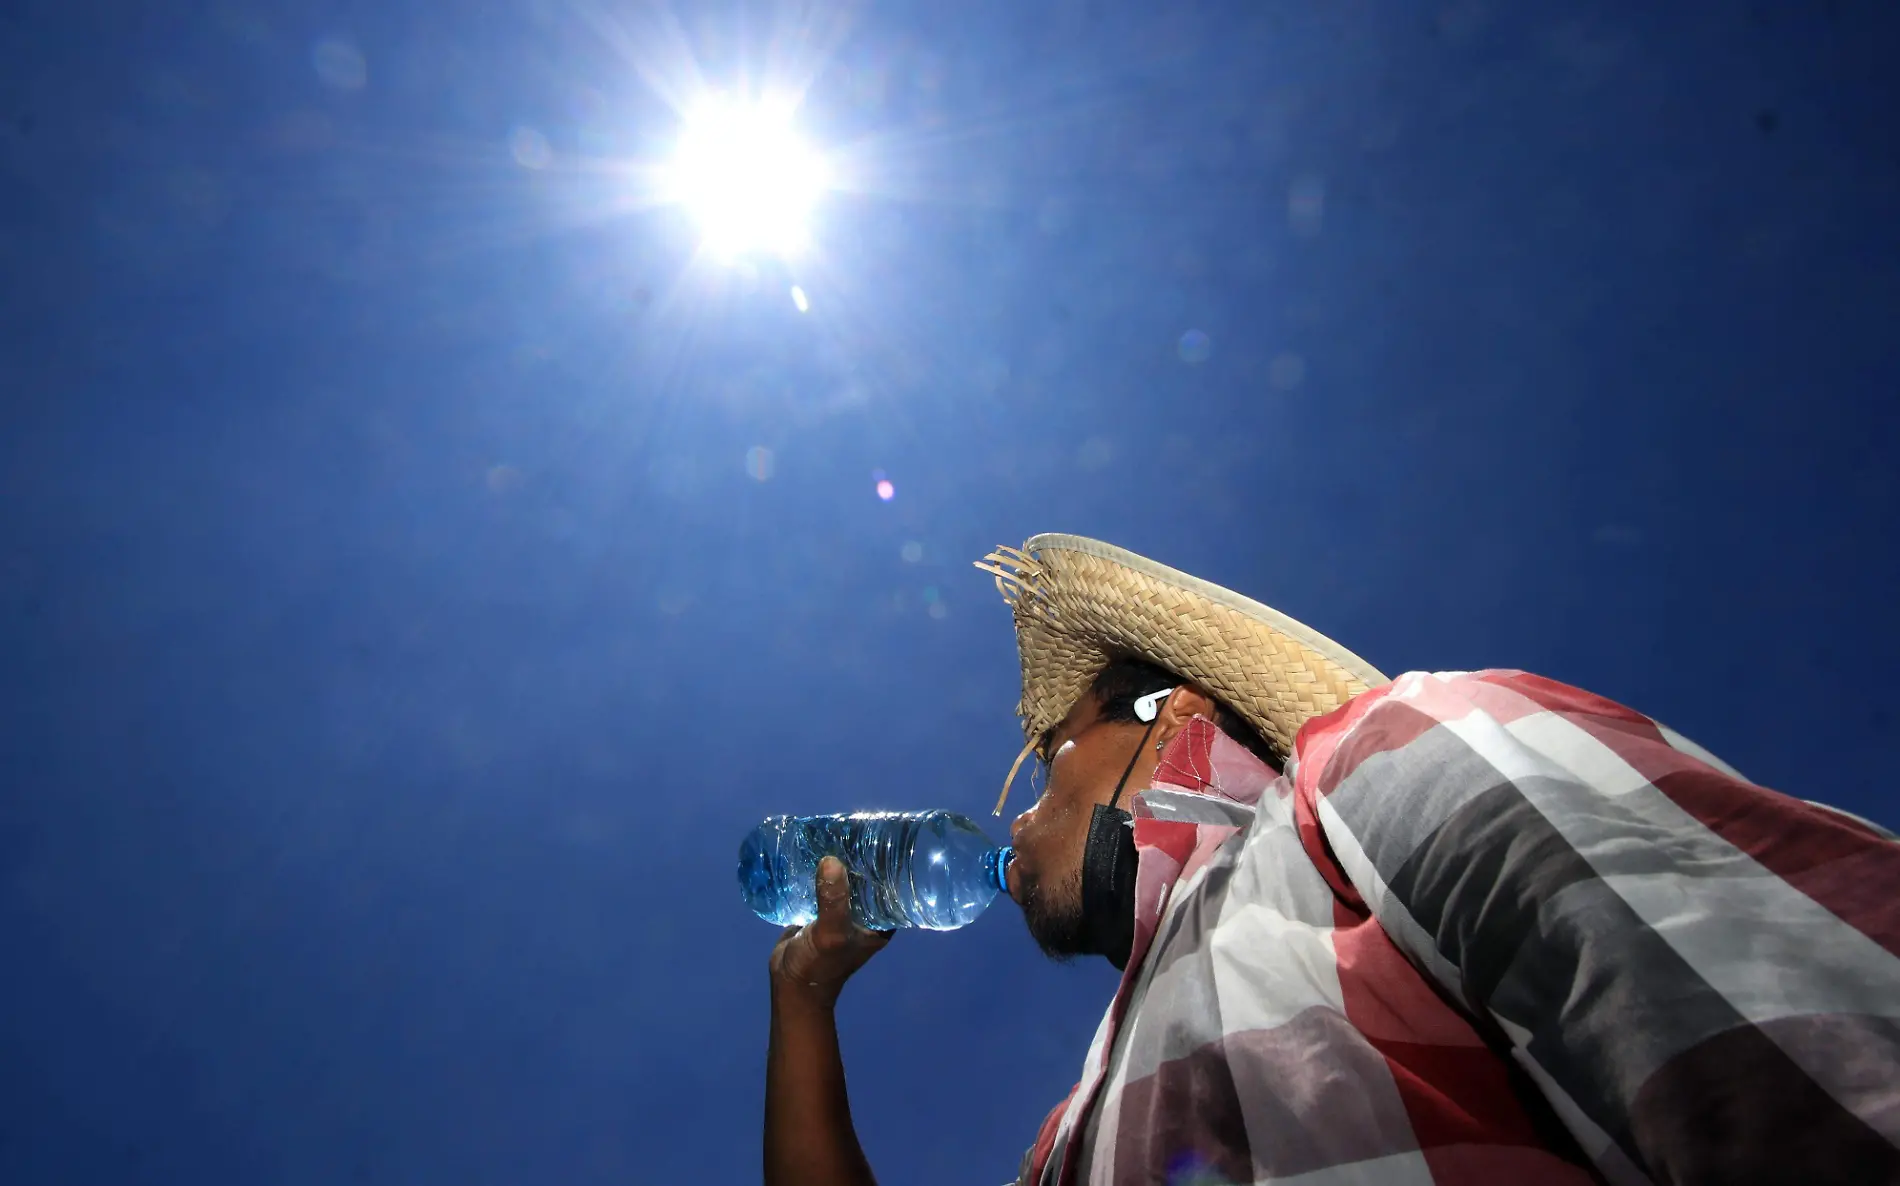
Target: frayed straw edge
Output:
[
  {"x": 1013, "y": 768},
  {"x": 1016, "y": 573}
]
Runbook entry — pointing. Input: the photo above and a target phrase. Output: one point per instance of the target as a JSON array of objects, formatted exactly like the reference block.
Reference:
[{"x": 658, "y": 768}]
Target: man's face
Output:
[{"x": 1088, "y": 757}]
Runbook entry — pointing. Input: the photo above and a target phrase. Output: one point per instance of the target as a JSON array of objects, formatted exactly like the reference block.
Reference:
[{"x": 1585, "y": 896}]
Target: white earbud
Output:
[{"x": 1148, "y": 707}]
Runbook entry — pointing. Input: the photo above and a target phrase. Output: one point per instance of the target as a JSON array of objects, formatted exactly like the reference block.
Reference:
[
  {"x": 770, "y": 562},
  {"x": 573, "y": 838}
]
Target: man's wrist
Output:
[{"x": 802, "y": 1001}]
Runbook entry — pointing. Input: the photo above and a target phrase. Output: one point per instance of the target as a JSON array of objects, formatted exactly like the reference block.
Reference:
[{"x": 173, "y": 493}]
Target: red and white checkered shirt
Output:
[{"x": 1489, "y": 928}]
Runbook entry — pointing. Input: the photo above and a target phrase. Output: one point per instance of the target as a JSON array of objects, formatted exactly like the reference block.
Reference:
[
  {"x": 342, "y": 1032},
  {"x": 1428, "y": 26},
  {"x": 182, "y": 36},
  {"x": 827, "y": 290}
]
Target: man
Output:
[{"x": 1458, "y": 928}]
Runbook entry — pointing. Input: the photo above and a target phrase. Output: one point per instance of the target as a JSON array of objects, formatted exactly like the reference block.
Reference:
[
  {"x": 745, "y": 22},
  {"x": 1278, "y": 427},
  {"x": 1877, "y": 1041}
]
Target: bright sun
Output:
[{"x": 747, "y": 177}]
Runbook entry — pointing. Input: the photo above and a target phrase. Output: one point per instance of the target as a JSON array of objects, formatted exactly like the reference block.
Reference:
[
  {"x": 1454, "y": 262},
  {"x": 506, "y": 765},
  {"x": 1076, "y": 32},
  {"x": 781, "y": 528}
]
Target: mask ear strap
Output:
[
  {"x": 1013, "y": 768},
  {"x": 1132, "y": 759}
]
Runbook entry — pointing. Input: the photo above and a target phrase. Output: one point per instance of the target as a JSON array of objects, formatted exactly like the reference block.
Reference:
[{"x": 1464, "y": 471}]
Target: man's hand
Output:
[
  {"x": 812, "y": 962},
  {"x": 809, "y": 1140}
]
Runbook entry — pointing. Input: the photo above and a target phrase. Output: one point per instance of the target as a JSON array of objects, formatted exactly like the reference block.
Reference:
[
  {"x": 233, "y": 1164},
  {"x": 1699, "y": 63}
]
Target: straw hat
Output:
[{"x": 1079, "y": 601}]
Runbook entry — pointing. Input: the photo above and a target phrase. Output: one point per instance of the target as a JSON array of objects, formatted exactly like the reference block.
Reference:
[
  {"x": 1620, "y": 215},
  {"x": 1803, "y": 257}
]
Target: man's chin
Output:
[
  {"x": 1059, "y": 948},
  {"x": 1058, "y": 932}
]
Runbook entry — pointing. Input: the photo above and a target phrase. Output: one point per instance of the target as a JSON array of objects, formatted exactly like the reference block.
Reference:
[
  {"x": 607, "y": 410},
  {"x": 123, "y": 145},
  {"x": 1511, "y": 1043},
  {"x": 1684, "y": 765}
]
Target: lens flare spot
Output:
[
  {"x": 504, "y": 479},
  {"x": 1287, "y": 372},
  {"x": 530, "y": 148},
  {"x": 339, "y": 64},
  {"x": 758, "y": 463},
  {"x": 1306, "y": 205}
]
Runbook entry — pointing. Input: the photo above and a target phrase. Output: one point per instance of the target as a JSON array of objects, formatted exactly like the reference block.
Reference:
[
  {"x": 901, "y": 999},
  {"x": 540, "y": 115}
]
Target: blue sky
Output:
[{"x": 398, "y": 643}]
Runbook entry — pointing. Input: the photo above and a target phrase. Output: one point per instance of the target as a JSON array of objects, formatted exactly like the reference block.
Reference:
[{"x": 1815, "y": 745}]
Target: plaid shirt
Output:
[{"x": 1489, "y": 928}]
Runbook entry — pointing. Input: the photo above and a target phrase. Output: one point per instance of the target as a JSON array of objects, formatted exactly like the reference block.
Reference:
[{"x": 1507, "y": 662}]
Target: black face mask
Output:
[{"x": 1108, "y": 875}]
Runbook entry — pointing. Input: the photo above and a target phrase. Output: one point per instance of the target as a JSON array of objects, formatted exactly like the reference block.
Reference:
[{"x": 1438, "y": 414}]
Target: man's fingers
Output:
[{"x": 823, "y": 954}]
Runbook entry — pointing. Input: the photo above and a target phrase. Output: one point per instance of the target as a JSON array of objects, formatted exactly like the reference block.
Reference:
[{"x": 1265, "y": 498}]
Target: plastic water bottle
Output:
[{"x": 929, "y": 869}]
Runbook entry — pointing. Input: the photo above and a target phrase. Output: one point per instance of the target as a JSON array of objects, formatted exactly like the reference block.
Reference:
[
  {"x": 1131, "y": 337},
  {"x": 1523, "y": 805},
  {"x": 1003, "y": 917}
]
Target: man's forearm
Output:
[{"x": 809, "y": 1140}]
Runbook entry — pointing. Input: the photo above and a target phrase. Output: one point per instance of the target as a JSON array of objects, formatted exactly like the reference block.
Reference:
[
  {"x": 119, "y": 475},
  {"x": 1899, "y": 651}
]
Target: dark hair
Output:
[{"x": 1127, "y": 679}]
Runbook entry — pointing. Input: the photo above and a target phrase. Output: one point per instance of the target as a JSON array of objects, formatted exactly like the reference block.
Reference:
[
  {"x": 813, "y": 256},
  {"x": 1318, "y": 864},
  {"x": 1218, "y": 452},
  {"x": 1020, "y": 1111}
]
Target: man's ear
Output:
[{"x": 1183, "y": 705}]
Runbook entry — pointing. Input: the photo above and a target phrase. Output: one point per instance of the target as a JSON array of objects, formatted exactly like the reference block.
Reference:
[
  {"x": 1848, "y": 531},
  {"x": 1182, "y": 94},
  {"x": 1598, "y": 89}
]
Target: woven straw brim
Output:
[{"x": 1078, "y": 602}]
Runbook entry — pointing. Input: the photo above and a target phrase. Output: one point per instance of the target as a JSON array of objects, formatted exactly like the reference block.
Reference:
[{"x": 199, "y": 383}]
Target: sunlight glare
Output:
[{"x": 748, "y": 178}]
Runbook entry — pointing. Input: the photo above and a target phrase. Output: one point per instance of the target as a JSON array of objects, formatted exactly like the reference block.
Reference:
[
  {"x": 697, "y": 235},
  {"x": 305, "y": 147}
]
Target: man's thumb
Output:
[{"x": 832, "y": 882}]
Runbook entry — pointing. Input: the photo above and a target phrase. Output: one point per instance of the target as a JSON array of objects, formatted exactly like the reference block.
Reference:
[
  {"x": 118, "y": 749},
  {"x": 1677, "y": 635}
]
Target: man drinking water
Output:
[{"x": 1463, "y": 928}]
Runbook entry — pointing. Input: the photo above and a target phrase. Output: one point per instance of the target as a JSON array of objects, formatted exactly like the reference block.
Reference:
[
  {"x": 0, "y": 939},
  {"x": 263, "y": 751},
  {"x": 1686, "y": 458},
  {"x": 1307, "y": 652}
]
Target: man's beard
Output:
[{"x": 1055, "y": 918}]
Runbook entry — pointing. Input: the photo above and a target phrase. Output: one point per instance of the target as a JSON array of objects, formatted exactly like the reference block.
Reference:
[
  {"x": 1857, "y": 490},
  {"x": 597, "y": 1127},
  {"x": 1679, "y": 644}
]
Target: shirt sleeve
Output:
[{"x": 1702, "y": 976}]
